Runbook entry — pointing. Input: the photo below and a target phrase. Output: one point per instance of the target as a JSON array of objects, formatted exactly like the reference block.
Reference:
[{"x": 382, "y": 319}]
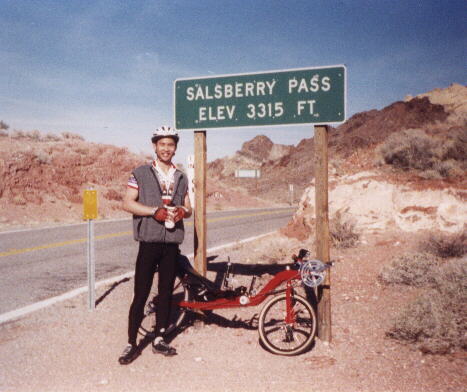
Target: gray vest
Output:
[{"x": 146, "y": 228}]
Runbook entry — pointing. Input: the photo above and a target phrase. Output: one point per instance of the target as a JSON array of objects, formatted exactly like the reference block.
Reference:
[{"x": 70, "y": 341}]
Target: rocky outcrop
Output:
[
  {"x": 374, "y": 204},
  {"x": 452, "y": 98},
  {"x": 367, "y": 129},
  {"x": 254, "y": 154}
]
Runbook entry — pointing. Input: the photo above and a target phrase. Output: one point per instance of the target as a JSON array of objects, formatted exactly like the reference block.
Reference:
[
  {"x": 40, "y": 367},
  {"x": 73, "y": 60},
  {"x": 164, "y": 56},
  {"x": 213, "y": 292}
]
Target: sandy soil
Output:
[{"x": 68, "y": 348}]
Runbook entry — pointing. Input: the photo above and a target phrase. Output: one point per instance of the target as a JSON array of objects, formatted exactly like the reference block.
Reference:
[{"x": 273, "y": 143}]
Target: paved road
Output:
[{"x": 41, "y": 263}]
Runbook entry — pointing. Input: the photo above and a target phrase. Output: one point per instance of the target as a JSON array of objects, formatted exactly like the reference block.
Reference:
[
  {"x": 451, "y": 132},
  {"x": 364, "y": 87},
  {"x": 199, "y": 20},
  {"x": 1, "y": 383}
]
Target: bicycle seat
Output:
[{"x": 192, "y": 277}]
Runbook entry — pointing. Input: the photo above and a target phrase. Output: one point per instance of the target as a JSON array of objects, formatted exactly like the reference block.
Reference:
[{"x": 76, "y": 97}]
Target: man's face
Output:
[{"x": 165, "y": 149}]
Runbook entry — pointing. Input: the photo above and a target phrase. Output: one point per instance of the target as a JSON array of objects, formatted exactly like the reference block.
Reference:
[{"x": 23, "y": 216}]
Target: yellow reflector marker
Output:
[{"x": 89, "y": 204}]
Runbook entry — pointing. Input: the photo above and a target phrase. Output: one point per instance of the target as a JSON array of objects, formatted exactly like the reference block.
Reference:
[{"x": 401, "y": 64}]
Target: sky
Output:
[{"x": 106, "y": 69}]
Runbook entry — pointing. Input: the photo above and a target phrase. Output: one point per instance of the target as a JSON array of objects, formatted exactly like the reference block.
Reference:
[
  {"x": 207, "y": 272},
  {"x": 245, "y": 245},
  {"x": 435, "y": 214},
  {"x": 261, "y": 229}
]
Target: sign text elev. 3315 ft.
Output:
[{"x": 298, "y": 96}]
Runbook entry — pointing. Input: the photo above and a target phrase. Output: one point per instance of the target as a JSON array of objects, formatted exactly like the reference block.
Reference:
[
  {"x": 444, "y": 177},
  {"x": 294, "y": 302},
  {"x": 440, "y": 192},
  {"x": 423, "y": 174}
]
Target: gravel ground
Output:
[{"x": 66, "y": 347}]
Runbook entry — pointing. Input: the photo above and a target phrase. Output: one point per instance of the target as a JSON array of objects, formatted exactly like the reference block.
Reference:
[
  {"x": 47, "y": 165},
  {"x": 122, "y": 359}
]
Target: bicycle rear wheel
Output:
[
  {"x": 177, "y": 314},
  {"x": 282, "y": 338}
]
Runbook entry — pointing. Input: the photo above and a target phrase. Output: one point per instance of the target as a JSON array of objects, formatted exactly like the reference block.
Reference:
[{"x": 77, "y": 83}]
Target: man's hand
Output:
[
  {"x": 179, "y": 214},
  {"x": 161, "y": 214}
]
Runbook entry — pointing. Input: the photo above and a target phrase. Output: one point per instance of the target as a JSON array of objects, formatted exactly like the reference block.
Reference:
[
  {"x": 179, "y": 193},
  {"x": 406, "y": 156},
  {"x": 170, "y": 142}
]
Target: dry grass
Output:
[
  {"x": 436, "y": 321},
  {"x": 342, "y": 231}
]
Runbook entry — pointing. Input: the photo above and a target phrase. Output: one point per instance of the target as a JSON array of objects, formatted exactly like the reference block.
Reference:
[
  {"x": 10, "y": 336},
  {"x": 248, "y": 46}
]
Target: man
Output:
[{"x": 151, "y": 189}]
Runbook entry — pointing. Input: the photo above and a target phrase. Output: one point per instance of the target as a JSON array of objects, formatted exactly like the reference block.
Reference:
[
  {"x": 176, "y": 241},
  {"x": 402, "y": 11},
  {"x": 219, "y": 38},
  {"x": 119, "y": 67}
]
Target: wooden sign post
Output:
[
  {"x": 200, "y": 202},
  {"x": 313, "y": 95},
  {"x": 322, "y": 229}
]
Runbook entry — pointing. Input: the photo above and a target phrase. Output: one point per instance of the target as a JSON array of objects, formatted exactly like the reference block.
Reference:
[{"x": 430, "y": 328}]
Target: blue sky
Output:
[{"x": 105, "y": 69}]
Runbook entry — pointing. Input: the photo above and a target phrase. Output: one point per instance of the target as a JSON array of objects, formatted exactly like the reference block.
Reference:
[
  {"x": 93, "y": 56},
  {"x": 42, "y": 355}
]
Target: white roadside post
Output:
[
  {"x": 89, "y": 214},
  {"x": 191, "y": 178}
]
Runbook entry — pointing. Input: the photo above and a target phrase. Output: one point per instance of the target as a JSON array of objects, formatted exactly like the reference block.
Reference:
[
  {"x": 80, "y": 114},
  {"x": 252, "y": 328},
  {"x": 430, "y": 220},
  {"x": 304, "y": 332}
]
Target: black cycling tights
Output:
[{"x": 153, "y": 257}]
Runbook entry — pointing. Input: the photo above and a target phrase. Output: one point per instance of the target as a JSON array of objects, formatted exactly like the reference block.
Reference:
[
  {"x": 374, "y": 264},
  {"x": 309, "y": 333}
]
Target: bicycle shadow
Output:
[{"x": 211, "y": 318}]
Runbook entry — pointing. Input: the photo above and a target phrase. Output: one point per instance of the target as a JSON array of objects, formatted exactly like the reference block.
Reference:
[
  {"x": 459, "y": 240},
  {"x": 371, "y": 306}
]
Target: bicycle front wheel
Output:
[{"x": 282, "y": 338}]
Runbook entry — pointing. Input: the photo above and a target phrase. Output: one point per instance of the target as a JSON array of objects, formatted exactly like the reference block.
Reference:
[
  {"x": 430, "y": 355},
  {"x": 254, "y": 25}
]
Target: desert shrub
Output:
[
  {"x": 51, "y": 137},
  {"x": 434, "y": 156},
  {"x": 431, "y": 174},
  {"x": 436, "y": 321},
  {"x": 455, "y": 147},
  {"x": 113, "y": 194},
  {"x": 409, "y": 149},
  {"x": 69, "y": 135},
  {"x": 4, "y": 126},
  {"x": 43, "y": 157},
  {"x": 16, "y": 134},
  {"x": 416, "y": 269},
  {"x": 342, "y": 231},
  {"x": 445, "y": 245},
  {"x": 82, "y": 150},
  {"x": 19, "y": 200},
  {"x": 448, "y": 168},
  {"x": 33, "y": 135},
  {"x": 3, "y": 129}
]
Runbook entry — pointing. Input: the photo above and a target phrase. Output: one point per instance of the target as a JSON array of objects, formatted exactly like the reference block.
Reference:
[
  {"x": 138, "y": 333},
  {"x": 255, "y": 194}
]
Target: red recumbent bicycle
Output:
[{"x": 287, "y": 321}]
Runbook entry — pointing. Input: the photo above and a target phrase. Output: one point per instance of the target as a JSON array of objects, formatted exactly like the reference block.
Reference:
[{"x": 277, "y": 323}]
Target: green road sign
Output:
[{"x": 297, "y": 96}]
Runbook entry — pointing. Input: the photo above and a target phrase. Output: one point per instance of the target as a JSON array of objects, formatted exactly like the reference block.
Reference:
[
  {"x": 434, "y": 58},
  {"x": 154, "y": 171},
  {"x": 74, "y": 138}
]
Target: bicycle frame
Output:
[
  {"x": 286, "y": 323},
  {"x": 222, "y": 303}
]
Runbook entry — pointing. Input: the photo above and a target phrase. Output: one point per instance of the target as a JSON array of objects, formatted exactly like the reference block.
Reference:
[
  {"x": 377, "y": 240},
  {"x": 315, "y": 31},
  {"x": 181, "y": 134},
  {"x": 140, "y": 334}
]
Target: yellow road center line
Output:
[{"x": 12, "y": 252}]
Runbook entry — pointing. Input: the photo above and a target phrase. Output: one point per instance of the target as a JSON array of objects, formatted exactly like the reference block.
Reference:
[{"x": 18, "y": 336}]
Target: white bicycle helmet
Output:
[{"x": 164, "y": 131}]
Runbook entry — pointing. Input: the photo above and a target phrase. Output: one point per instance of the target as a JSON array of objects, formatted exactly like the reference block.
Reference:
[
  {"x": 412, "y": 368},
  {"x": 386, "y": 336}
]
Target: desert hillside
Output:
[
  {"x": 403, "y": 166},
  {"x": 43, "y": 177},
  {"x": 415, "y": 145},
  {"x": 352, "y": 145}
]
